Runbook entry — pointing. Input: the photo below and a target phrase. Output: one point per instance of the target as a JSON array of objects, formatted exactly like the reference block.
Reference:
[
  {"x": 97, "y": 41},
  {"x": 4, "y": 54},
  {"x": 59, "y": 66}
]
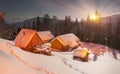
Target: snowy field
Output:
[{"x": 13, "y": 60}]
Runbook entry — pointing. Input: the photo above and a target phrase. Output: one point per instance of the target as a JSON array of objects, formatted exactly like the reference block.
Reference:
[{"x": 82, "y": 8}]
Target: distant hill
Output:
[
  {"x": 27, "y": 23},
  {"x": 105, "y": 20}
]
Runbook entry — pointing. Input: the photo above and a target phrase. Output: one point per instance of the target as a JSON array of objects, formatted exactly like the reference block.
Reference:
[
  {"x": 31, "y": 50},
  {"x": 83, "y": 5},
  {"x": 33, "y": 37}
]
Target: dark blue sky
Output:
[{"x": 18, "y": 10}]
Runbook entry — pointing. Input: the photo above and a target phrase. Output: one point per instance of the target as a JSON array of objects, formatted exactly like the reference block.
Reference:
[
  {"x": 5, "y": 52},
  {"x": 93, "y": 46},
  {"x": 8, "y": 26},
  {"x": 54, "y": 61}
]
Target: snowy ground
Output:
[{"x": 13, "y": 60}]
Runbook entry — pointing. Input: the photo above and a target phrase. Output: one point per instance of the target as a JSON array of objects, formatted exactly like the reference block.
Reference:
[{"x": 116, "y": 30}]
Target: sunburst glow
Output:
[
  {"x": 83, "y": 7},
  {"x": 94, "y": 17}
]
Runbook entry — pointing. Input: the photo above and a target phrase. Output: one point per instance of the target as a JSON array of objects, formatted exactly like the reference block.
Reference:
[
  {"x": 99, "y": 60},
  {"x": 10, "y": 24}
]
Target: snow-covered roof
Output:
[
  {"x": 27, "y": 38},
  {"x": 46, "y": 35},
  {"x": 68, "y": 39}
]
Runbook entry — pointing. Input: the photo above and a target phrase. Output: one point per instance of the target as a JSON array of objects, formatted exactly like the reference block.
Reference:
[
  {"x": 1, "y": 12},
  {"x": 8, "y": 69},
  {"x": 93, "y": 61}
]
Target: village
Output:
[
  {"x": 44, "y": 42},
  {"x": 44, "y": 53},
  {"x": 59, "y": 36},
  {"x": 40, "y": 49}
]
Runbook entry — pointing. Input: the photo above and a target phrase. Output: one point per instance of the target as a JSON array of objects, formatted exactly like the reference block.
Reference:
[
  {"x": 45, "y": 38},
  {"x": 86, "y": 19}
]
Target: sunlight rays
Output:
[{"x": 90, "y": 6}]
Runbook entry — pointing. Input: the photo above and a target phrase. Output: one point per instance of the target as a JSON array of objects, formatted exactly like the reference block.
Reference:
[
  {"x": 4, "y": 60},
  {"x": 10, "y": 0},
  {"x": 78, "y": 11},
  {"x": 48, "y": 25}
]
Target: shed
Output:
[
  {"x": 46, "y": 36},
  {"x": 27, "y": 39},
  {"x": 65, "y": 42},
  {"x": 81, "y": 55}
]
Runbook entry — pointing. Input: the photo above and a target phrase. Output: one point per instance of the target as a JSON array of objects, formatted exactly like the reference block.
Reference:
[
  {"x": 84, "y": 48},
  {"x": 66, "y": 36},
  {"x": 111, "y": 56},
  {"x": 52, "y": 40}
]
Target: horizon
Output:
[{"x": 21, "y": 10}]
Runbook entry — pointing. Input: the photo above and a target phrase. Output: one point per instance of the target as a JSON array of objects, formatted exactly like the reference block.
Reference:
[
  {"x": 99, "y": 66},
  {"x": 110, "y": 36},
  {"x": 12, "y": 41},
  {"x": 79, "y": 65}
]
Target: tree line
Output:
[{"x": 87, "y": 31}]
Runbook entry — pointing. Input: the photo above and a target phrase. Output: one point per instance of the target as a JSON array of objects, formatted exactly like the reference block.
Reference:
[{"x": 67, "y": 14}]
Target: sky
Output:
[{"x": 19, "y": 10}]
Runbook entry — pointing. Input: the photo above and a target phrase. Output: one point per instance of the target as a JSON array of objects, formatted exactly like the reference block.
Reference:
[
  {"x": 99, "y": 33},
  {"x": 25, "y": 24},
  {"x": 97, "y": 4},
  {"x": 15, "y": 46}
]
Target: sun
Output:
[{"x": 93, "y": 17}]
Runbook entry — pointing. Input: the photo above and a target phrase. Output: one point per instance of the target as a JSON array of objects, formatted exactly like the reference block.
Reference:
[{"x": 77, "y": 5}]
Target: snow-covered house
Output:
[
  {"x": 65, "y": 42},
  {"x": 26, "y": 39},
  {"x": 81, "y": 54},
  {"x": 46, "y": 36}
]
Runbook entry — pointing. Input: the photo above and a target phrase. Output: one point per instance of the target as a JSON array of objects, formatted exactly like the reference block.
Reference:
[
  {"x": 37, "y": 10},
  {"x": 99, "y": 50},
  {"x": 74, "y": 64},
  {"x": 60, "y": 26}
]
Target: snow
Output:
[
  {"x": 46, "y": 35},
  {"x": 13, "y": 60},
  {"x": 69, "y": 39},
  {"x": 10, "y": 65}
]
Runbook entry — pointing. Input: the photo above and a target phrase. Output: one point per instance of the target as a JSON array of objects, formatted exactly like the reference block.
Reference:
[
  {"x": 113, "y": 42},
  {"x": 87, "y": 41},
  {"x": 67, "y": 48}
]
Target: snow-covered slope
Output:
[{"x": 13, "y": 60}]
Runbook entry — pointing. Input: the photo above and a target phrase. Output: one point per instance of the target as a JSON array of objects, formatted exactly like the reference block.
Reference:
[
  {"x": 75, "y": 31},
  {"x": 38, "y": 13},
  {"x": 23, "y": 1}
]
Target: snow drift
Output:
[{"x": 13, "y": 60}]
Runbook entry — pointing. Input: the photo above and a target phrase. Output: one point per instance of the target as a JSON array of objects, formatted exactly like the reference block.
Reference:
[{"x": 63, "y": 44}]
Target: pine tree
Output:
[
  {"x": 34, "y": 25},
  {"x": 46, "y": 21},
  {"x": 37, "y": 24},
  {"x": 117, "y": 36}
]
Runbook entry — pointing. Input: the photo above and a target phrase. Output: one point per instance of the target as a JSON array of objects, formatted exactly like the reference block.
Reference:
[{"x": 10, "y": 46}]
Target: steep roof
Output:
[
  {"x": 26, "y": 37},
  {"x": 68, "y": 39},
  {"x": 46, "y": 35}
]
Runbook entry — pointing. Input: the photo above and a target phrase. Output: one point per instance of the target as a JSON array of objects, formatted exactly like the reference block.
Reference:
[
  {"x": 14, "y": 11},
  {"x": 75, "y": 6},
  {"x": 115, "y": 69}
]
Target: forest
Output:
[{"x": 87, "y": 30}]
